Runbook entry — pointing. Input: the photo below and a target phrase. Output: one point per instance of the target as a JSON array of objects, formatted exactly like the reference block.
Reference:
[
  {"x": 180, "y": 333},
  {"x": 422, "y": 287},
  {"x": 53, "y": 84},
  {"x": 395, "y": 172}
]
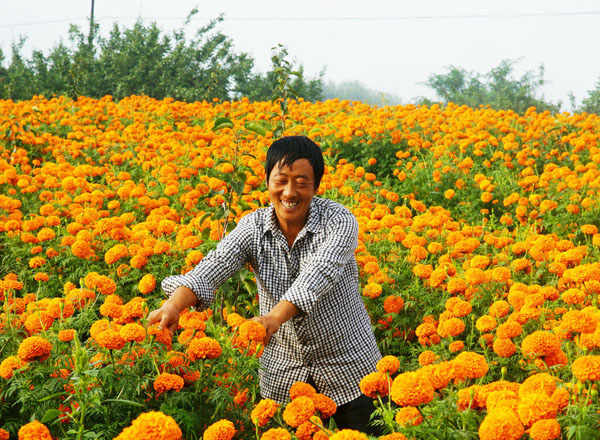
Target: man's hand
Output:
[
  {"x": 168, "y": 315},
  {"x": 279, "y": 314}
]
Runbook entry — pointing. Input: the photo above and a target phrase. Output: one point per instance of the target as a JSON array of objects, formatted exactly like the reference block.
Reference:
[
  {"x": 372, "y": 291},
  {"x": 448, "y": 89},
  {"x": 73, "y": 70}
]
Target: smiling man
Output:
[{"x": 301, "y": 249}]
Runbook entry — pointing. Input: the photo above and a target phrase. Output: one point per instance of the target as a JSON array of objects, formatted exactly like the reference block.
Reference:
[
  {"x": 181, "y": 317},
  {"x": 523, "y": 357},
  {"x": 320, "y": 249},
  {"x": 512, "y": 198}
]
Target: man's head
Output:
[
  {"x": 294, "y": 169},
  {"x": 287, "y": 150}
]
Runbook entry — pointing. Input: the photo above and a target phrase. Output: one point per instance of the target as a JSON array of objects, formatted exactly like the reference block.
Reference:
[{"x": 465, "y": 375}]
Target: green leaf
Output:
[
  {"x": 126, "y": 402},
  {"x": 222, "y": 123},
  {"x": 256, "y": 128},
  {"x": 50, "y": 414}
]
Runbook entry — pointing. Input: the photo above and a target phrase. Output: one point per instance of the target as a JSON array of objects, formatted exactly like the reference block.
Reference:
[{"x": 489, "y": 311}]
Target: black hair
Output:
[{"x": 289, "y": 149}]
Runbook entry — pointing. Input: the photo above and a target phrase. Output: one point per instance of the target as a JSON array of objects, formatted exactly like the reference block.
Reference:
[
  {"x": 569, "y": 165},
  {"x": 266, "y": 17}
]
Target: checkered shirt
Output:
[{"x": 330, "y": 340}]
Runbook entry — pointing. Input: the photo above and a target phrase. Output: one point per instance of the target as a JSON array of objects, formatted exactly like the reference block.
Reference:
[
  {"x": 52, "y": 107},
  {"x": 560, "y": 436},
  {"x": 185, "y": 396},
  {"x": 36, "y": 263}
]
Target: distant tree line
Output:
[{"x": 145, "y": 60}]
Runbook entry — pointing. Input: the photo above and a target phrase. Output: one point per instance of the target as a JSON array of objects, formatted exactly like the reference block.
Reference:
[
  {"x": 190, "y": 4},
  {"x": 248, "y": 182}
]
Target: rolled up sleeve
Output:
[{"x": 327, "y": 264}]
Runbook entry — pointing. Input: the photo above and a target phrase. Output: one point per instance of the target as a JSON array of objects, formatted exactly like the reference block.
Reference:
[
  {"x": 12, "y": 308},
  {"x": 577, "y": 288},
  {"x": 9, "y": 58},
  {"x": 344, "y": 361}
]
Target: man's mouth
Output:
[{"x": 288, "y": 205}]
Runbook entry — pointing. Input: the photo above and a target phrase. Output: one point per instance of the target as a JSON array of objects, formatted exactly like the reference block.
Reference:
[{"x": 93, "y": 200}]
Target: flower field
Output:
[{"x": 478, "y": 255}]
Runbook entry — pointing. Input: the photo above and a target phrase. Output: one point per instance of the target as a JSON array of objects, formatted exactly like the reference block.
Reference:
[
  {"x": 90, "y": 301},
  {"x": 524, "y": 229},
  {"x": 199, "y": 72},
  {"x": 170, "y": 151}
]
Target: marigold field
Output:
[{"x": 478, "y": 255}]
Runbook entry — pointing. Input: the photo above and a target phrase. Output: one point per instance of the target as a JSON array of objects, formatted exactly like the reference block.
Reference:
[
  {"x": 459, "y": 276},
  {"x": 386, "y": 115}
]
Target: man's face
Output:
[{"x": 291, "y": 190}]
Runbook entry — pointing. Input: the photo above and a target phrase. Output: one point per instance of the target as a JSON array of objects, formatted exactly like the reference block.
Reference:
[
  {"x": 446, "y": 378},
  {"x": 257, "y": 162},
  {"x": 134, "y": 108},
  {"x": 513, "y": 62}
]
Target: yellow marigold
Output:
[
  {"x": 475, "y": 364},
  {"x": 538, "y": 383},
  {"x": 456, "y": 285},
  {"x": 589, "y": 229},
  {"x": 486, "y": 323},
  {"x": 586, "y": 368},
  {"x": 348, "y": 434},
  {"x": 34, "y": 348},
  {"x": 422, "y": 270},
  {"x": 372, "y": 290},
  {"x": 411, "y": 389},
  {"x": 499, "y": 309},
  {"x": 263, "y": 412},
  {"x": 167, "y": 381},
  {"x": 540, "y": 343},
  {"x": 501, "y": 274},
  {"x": 221, "y": 430},
  {"x": 409, "y": 415},
  {"x": 502, "y": 399},
  {"x": 133, "y": 332},
  {"x": 203, "y": 348},
  {"x": 393, "y": 436},
  {"x": 573, "y": 296},
  {"x": 461, "y": 308},
  {"x": 276, "y": 434},
  {"x": 298, "y": 411},
  {"x": 504, "y": 347},
  {"x": 34, "y": 431},
  {"x": 536, "y": 406},
  {"x": 579, "y": 321},
  {"x": 388, "y": 364},
  {"x": 374, "y": 384},
  {"x": 147, "y": 284},
  {"x": 501, "y": 424}
]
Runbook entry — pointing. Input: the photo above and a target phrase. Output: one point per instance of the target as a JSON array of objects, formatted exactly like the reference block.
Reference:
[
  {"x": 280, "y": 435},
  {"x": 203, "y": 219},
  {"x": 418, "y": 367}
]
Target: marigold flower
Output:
[
  {"x": 298, "y": 411},
  {"x": 393, "y": 436},
  {"x": 348, "y": 434},
  {"x": 409, "y": 415},
  {"x": 504, "y": 347},
  {"x": 499, "y": 309},
  {"x": 456, "y": 285},
  {"x": 501, "y": 424},
  {"x": 509, "y": 329},
  {"x": 34, "y": 431},
  {"x": 374, "y": 384},
  {"x": 153, "y": 425},
  {"x": 486, "y": 323},
  {"x": 411, "y": 389},
  {"x": 204, "y": 348},
  {"x": 547, "y": 429},
  {"x": 538, "y": 383},
  {"x": 393, "y": 304},
  {"x": 9, "y": 365},
  {"x": 276, "y": 434},
  {"x": 586, "y": 368},
  {"x": 251, "y": 331},
  {"x": 110, "y": 339},
  {"x": 536, "y": 406},
  {"x": 34, "y": 348},
  {"x": 426, "y": 358},
  {"x": 453, "y": 327},
  {"x": 4, "y": 434},
  {"x": 263, "y": 412},
  {"x": 573, "y": 296},
  {"x": 301, "y": 389},
  {"x": 66, "y": 335},
  {"x": 167, "y": 381},
  {"x": 540, "y": 343},
  {"x": 372, "y": 290},
  {"x": 324, "y": 405},
  {"x": 133, "y": 332},
  {"x": 456, "y": 346},
  {"x": 475, "y": 364},
  {"x": 388, "y": 364},
  {"x": 147, "y": 284}
]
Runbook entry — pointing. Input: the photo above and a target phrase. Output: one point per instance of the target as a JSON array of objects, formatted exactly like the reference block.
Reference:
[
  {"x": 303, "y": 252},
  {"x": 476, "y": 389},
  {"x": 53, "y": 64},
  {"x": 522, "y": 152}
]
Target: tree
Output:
[
  {"x": 498, "y": 88},
  {"x": 591, "y": 104},
  {"x": 357, "y": 91}
]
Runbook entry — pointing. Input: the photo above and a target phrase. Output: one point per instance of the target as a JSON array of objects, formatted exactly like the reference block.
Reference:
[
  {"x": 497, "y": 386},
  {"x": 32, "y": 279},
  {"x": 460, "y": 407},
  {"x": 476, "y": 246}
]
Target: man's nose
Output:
[{"x": 289, "y": 189}]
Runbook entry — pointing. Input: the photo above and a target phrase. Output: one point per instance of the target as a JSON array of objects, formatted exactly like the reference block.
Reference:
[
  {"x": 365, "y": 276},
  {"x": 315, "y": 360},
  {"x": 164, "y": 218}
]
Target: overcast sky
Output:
[{"x": 390, "y": 46}]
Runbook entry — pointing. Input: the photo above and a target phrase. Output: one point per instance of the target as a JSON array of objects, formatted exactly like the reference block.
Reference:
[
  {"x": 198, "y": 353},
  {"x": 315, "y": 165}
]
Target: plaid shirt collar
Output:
[{"x": 313, "y": 224}]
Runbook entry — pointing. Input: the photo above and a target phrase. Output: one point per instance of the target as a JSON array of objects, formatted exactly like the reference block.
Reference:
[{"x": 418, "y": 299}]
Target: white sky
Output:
[{"x": 388, "y": 45}]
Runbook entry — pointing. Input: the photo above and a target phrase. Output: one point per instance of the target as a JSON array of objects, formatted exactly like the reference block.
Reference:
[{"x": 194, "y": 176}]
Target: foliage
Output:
[
  {"x": 591, "y": 103},
  {"x": 497, "y": 88},
  {"x": 357, "y": 91}
]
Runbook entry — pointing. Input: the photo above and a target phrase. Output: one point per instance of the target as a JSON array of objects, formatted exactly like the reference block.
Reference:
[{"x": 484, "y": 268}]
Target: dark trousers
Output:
[{"x": 355, "y": 414}]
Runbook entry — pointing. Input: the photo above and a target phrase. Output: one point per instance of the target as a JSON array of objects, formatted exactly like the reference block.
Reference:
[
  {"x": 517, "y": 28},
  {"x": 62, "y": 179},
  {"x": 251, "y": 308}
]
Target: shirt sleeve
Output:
[
  {"x": 327, "y": 264},
  {"x": 216, "y": 267}
]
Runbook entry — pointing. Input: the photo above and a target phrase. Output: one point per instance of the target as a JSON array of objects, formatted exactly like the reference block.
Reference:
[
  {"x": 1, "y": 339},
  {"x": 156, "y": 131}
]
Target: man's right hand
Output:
[{"x": 167, "y": 316}]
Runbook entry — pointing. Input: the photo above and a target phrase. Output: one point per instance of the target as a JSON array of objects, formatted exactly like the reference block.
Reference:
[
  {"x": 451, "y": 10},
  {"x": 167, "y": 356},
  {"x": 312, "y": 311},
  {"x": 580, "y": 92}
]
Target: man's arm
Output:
[
  {"x": 168, "y": 314},
  {"x": 280, "y": 313}
]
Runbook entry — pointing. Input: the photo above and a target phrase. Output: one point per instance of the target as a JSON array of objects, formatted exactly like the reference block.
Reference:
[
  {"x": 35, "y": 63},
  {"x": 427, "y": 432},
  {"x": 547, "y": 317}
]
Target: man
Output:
[{"x": 301, "y": 249}]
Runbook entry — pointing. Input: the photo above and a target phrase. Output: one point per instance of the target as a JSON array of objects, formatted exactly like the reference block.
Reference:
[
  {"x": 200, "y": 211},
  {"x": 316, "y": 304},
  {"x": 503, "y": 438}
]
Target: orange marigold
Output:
[
  {"x": 409, "y": 415},
  {"x": 9, "y": 365},
  {"x": 276, "y": 434},
  {"x": 486, "y": 323},
  {"x": 263, "y": 412},
  {"x": 66, "y": 335},
  {"x": 348, "y": 434},
  {"x": 4, "y": 434},
  {"x": 504, "y": 347},
  {"x": 547, "y": 429},
  {"x": 374, "y": 384},
  {"x": 509, "y": 329},
  {"x": 538, "y": 383},
  {"x": 147, "y": 284},
  {"x": 298, "y": 411},
  {"x": 388, "y": 364},
  {"x": 411, "y": 389},
  {"x": 454, "y": 327},
  {"x": 426, "y": 358},
  {"x": 324, "y": 405},
  {"x": 34, "y": 348},
  {"x": 536, "y": 406},
  {"x": 540, "y": 343},
  {"x": 203, "y": 348},
  {"x": 501, "y": 424},
  {"x": 110, "y": 339},
  {"x": 133, "y": 332},
  {"x": 586, "y": 368},
  {"x": 221, "y": 430},
  {"x": 393, "y": 304},
  {"x": 301, "y": 389},
  {"x": 475, "y": 364},
  {"x": 34, "y": 431},
  {"x": 167, "y": 381}
]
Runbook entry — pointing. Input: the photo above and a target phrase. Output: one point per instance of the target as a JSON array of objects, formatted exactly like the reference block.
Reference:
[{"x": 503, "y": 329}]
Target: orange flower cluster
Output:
[{"x": 153, "y": 425}]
